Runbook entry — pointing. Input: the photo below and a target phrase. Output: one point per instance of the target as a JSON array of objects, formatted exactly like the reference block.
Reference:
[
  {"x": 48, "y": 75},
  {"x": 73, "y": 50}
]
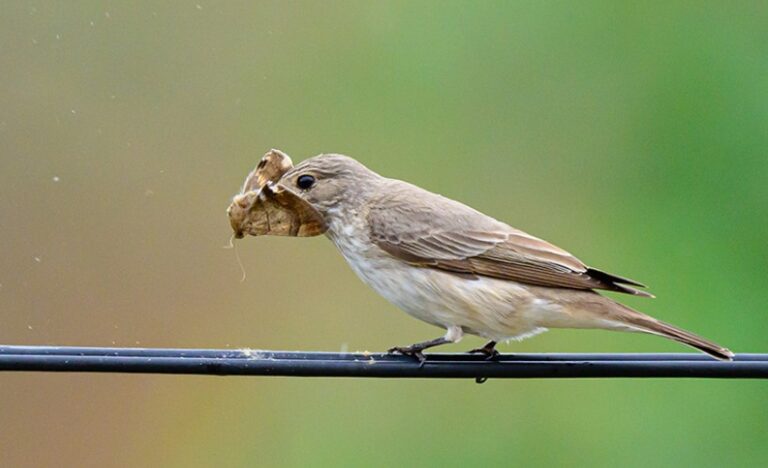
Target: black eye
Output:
[{"x": 306, "y": 181}]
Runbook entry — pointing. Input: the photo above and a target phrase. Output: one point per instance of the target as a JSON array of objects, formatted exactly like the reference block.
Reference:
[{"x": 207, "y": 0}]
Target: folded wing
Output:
[{"x": 431, "y": 231}]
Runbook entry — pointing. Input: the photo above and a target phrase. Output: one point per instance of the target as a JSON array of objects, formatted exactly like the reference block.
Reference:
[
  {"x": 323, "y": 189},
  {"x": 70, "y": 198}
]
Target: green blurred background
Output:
[{"x": 632, "y": 135}]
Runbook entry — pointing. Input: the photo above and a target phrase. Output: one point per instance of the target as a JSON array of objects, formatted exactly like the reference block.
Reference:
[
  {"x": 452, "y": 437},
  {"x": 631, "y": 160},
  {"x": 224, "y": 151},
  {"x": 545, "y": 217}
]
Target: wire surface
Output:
[{"x": 322, "y": 364}]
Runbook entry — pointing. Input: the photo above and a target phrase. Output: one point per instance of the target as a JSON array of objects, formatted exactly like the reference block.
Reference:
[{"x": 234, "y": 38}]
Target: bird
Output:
[{"x": 440, "y": 260}]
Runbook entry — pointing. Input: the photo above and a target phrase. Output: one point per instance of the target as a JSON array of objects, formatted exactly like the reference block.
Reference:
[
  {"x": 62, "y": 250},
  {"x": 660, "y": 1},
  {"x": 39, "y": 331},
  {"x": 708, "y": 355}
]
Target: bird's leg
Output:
[
  {"x": 453, "y": 335},
  {"x": 489, "y": 350},
  {"x": 415, "y": 350}
]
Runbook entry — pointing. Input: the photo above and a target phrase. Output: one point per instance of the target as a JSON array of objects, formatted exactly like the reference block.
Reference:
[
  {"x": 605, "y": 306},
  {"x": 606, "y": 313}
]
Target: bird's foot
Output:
[
  {"x": 489, "y": 350},
  {"x": 415, "y": 350},
  {"x": 412, "y": 351}
]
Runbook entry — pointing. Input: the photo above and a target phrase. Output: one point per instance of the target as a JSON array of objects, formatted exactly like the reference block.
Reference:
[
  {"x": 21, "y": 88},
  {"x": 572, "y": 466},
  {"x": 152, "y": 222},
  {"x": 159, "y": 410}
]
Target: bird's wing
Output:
[{"x": 428, "y": 230}]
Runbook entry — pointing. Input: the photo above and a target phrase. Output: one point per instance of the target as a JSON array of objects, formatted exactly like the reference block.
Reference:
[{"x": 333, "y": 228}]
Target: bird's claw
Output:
[
  {"x": 409, "y": 351},
  {"x": 490, "y": 354}
]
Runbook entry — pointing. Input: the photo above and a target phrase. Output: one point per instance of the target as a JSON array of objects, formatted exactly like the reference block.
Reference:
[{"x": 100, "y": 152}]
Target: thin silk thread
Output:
[{"x": 237, "y": 256}]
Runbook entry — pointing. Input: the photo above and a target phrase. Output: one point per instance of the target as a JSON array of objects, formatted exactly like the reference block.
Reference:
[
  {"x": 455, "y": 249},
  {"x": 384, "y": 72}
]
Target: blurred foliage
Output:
[{"x": 633, "y": 135}]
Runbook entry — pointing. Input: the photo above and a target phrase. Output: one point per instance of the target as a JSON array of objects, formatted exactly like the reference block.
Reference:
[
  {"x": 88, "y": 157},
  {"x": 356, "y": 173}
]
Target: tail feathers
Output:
[{"x": 650, "y": 325}]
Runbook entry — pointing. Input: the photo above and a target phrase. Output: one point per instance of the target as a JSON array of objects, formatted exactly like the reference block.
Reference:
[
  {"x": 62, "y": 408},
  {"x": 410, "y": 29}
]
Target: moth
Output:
[{"x": 264, "y": 206}]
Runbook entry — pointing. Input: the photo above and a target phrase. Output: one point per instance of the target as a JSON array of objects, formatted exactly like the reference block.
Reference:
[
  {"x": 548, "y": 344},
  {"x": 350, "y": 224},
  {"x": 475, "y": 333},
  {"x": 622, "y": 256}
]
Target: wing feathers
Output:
[{"x": 428, "y": 230}]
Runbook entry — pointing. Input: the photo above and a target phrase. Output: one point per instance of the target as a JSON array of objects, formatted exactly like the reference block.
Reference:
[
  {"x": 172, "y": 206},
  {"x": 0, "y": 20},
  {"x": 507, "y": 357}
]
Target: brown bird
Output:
[{"x": 437, "y": 259}]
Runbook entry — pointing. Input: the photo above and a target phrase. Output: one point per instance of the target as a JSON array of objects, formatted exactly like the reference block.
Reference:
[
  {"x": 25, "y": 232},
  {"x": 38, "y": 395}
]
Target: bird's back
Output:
[{"x": 429, "y": 230}]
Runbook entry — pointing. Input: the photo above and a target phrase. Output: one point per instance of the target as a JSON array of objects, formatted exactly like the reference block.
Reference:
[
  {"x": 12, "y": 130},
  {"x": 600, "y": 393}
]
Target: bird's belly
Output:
[{"x": 491, "y": 308}]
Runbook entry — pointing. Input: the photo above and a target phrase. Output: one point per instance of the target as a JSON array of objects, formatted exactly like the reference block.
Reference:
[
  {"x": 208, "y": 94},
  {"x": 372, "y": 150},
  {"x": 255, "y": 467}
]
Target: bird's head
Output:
[{"x": 280, "y": 199}]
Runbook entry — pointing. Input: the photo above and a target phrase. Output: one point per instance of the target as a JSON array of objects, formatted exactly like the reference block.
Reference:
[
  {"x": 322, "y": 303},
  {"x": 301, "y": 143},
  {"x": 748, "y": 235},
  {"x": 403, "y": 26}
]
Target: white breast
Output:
[{"x": 494, "y": 309}]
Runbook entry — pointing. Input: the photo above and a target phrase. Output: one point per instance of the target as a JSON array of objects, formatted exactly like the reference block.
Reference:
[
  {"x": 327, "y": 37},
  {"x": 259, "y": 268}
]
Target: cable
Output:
[{"x": 322, "y": 364}]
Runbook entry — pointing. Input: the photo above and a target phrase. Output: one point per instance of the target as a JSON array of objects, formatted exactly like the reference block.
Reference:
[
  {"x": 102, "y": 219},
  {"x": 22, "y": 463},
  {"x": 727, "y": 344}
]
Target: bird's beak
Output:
[{"x": 266, "y": 207}]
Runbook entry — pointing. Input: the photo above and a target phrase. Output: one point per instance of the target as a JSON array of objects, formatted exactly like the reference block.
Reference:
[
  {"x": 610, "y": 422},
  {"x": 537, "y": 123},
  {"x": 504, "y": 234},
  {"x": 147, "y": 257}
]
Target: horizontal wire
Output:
[{"x": 324, "y": 364}]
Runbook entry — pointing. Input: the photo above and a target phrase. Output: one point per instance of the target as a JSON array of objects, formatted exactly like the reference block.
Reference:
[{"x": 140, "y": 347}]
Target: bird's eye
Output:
[{"x": 306, "y": 181}]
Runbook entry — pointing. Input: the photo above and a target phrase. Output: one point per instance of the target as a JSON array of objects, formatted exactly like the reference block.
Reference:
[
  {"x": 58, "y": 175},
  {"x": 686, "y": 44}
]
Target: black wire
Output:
[{"x": 321, "y": 364}]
